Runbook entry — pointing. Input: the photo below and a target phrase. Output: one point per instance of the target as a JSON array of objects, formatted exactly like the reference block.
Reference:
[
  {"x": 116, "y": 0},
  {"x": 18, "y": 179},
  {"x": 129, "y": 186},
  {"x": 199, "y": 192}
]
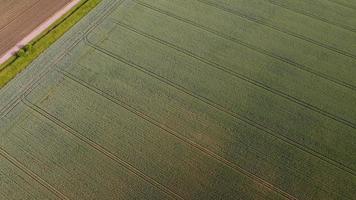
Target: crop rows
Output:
[{"x": 198, "y": 99}]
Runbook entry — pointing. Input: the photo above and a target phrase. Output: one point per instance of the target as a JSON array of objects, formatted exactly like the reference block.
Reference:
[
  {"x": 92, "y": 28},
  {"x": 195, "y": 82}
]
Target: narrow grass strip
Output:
[{"x": 16, "y": 64}]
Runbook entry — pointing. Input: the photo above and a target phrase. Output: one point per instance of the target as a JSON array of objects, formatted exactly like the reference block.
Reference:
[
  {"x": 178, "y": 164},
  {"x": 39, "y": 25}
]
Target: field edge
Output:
[{"x": 16, "y": 64}]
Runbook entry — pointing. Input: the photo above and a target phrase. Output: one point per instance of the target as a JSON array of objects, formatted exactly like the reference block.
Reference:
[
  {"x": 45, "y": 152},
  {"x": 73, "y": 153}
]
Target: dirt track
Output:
[{"x": 19, "y": 18}]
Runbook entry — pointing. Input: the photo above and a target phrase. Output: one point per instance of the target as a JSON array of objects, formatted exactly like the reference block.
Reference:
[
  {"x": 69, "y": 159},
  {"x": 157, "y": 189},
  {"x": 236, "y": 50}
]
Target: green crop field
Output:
[{"x": 188, "y": 99}]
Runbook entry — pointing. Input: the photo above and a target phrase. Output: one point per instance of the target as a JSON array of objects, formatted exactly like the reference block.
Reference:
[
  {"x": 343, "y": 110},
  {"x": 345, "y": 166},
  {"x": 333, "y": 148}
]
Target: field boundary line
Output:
[
  {"x": 33, "y": 82},
  {"x": 31, "y": 174},
  {"x": 274, "y": 27},
  {"x": 257, "y": 49},
  {"x": 240, "y": 76},
  {"x": 231, "y": 113},
  {"x": 38, "y": 30},
  {"x": 99, "y": 148},
  {"x": 342, "y": 26},
  {"x": 175, "y": 134}
]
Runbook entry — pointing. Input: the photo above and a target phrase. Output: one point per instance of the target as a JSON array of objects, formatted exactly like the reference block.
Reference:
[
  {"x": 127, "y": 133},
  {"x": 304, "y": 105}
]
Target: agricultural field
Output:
[
  {"x": 188, "y": 99},
  {"x": 20, "y": 17}
]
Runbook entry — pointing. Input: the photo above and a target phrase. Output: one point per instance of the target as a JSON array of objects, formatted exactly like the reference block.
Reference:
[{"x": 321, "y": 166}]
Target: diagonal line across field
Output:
[
  {"x": 19, "y": 165},
  {"x": 240, "y": 76},
  {"x": 233, "y": 114},
  {"x": 178, "y": 135},
  {"x": 97, "y": 147},
  {"x": 195, "y": 99},
  {"x": 28, "y": 88},
  {"x": 174, "y": 133},
  {"x": 277, "y": 28},
  {"x": 266, "y": 130},
  {"x": 255, "y": 48}
]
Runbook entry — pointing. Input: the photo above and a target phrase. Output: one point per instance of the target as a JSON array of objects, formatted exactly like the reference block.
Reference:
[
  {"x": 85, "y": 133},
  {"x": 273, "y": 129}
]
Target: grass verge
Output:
[{"x": 16, "y": 64}]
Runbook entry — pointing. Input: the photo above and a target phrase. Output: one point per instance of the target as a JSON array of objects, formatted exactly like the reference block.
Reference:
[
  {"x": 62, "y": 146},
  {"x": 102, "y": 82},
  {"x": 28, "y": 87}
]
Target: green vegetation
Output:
[
  {"x": 204, "y": 99},
  {"x": 25, "y": 56},
  {"x": 21, "y": 53},
  {"x": 28, "y": 48}
]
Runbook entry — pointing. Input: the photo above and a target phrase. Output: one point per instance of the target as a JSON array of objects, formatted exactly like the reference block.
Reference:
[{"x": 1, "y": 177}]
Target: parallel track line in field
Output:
[
  {"x": 183, "y": 138},
  {"x": 205, "y": 100},
  {"x": 301, "y": 12},
  {"x": 99, "y": 148},
  {"x": 33, "y": 82},
  {"x": 31, "y": 174},
  {"x": 240, "y": 76},
  {"x": 39, "y": 80},
  {"x": 276, "y": 28},
  {"x": 144, "y": 70},
  {"x": 254, "y": 48},
  {"x": 167, "y": 129}
]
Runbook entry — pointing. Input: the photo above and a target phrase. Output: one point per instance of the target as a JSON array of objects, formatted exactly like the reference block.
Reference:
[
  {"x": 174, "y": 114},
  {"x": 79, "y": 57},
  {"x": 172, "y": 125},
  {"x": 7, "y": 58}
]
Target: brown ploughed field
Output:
[{"x": 18, "y": 18}]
